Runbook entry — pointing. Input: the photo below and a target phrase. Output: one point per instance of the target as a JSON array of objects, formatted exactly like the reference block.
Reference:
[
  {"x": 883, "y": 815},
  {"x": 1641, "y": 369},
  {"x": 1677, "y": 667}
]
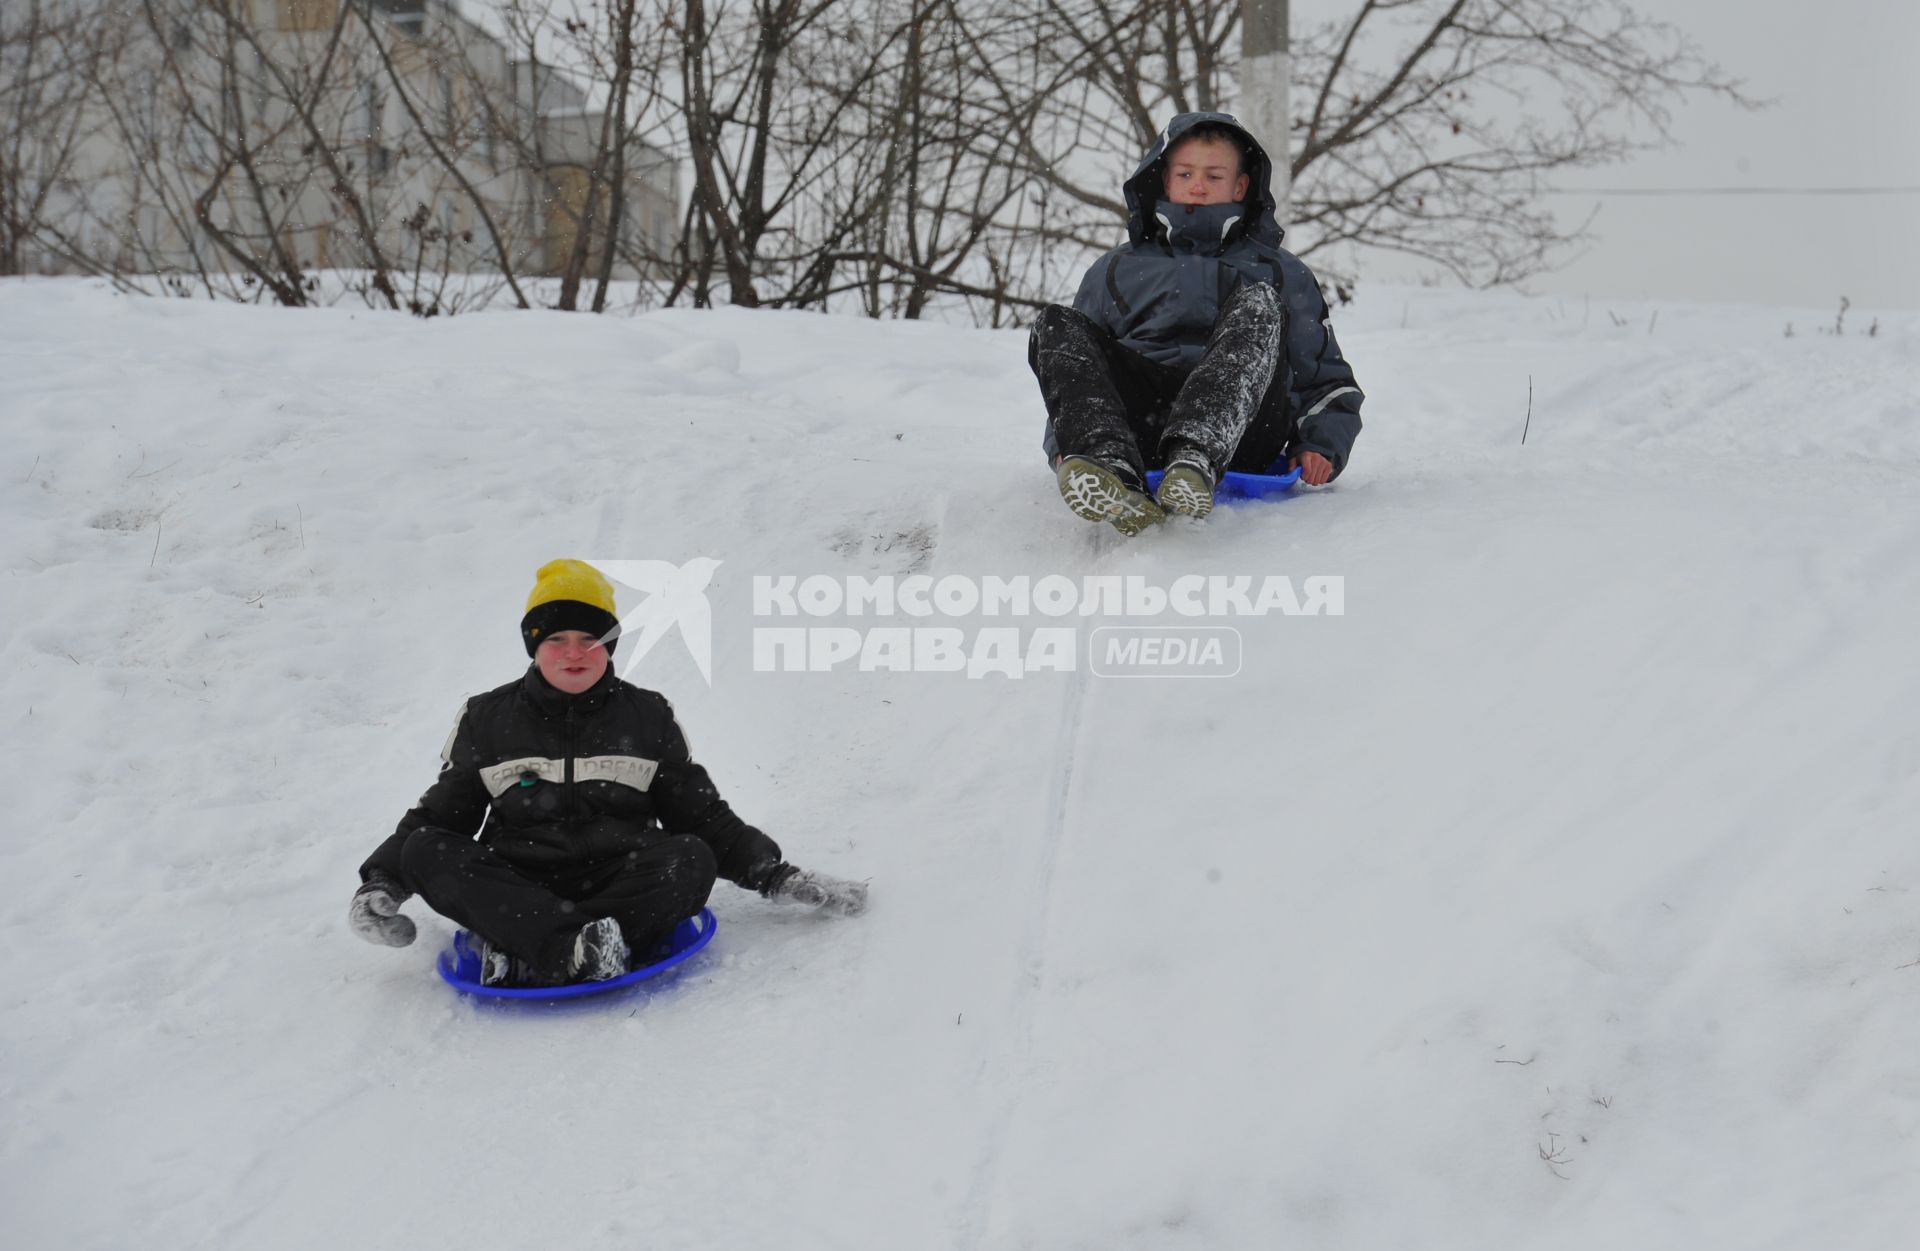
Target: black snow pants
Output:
[
  {"x": 535, "y": 918},
  {"x": 1107, "y": 401}
]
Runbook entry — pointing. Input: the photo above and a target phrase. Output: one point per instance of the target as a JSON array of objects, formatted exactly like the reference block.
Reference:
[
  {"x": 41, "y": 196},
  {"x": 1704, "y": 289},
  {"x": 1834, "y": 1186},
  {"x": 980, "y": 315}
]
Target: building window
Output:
[{"x": 409, "y": 17}]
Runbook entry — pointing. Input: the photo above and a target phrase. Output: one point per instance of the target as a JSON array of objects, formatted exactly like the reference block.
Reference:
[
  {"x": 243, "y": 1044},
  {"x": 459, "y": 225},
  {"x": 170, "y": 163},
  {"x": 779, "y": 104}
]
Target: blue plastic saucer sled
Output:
[
  {"x": 1239, "y": 486},
  {"x": 459, "y": 965}
]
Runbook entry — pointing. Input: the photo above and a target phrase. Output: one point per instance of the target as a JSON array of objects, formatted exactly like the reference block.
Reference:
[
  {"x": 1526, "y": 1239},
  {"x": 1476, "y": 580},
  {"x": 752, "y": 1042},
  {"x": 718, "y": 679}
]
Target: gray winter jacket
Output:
[{"x": 1160, "y": 293}]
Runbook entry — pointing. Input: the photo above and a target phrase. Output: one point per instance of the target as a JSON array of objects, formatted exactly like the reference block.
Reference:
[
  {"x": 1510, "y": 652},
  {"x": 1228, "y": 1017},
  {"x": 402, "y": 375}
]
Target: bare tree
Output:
[
  {"x": 890, "y": 156},
  {"x": 621, "y": 51},
  {"x": 236, "y": 148},
  {"x": 445, "y": 143},
  {"x": 1426, "y": 127},
  {"x": 1431, "y": 129},
  {"x": 945, "y": 217},
  {"x": 845, "y": 151},
  {"x": 47, "y": 54},
  {"x": 736, "y": 71}
]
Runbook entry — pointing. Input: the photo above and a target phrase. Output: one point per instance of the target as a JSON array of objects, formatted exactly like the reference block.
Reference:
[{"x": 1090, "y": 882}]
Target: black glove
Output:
[
  {"x": 790, "y": 884},
  {"x": 375, "y": 913}
]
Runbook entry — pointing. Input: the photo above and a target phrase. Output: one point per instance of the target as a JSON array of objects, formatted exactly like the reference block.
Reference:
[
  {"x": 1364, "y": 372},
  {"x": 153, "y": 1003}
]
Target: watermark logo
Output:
[
  {"x": 957, "y": 620},
  {"x": 1164, "y": 652},
  {"x": 1171, "y": 649},
  {"x": 675, "y": 595}
]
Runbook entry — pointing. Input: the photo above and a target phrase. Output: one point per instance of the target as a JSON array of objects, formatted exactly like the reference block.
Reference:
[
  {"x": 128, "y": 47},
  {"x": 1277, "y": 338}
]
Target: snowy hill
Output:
[{"x": 1561, "y": 890}]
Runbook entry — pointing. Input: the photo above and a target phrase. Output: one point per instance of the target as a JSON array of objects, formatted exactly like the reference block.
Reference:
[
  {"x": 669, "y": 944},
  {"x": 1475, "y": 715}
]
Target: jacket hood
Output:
[{"x": 1146, "y": 220}]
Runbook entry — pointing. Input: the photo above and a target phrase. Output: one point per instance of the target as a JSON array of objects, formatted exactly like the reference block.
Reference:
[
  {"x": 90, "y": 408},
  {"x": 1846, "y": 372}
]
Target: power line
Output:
[{"x": 1683, "y": 191}]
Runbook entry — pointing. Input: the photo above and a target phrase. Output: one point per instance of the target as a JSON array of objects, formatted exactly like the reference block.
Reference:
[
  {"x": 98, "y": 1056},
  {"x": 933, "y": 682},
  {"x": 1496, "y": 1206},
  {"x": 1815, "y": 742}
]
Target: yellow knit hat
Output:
[{"x": 569, "y": 595}]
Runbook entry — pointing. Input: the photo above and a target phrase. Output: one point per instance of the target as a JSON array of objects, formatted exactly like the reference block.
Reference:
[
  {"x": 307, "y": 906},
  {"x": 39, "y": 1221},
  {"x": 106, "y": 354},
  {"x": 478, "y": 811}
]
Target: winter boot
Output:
[
  {"x": 498, "y": 968},
  {"x": 1097, "y": 491},
  {"x": 1187, "y": 487},
  {"x": 599, "y": 952}
]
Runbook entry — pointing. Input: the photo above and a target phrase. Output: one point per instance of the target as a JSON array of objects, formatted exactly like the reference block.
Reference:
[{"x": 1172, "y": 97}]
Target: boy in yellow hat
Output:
[{"x": 597, "y": 831}]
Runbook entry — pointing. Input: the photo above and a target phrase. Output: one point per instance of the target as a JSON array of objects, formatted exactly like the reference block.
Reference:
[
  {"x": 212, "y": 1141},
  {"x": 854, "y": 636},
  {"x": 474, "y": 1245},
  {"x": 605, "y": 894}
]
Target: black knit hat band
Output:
[{"x": 543, "y": 621}]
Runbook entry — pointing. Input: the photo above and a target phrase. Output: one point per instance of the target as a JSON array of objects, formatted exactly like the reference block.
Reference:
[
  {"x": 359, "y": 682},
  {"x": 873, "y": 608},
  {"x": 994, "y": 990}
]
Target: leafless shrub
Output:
[
  {"x": 889, "y": 156},
  {"x": 47, "y": 54},
  {"x": 1423, "y": 127}
]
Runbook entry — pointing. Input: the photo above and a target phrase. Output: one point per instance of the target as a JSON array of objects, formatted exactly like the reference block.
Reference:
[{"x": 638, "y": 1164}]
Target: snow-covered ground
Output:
[{"x": 1564, "y": 891}]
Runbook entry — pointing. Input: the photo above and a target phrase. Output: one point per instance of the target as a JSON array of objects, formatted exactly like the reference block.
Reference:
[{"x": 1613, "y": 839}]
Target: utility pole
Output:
[{"x": 1266, "y": 74}]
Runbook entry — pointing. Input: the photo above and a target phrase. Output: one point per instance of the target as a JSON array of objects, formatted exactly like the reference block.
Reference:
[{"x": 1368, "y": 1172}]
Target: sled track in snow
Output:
[
  {"x": 612, "y": 524},
  {"x": 1008, "y": 1070}
]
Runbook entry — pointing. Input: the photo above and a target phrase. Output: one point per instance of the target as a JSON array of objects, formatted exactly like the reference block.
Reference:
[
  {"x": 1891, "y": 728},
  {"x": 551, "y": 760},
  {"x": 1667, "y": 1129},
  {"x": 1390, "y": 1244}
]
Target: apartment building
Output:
[{"x": 328, "y": 130}]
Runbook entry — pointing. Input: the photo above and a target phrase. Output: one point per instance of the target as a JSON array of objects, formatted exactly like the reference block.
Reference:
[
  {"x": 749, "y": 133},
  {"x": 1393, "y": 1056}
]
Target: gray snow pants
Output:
[{"x": 1107, "y": 401}]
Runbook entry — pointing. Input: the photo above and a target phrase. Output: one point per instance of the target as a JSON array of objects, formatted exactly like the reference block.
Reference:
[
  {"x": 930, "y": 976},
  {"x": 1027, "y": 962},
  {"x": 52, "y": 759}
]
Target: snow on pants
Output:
[
  {"x": 1107, "y": 401},
  {"x": 535, "y": 919}
]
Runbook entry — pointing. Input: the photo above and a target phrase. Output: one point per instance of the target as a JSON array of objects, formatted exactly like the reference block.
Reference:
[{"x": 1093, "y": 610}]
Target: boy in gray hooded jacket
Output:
[{"x": 1198, "y": 346}]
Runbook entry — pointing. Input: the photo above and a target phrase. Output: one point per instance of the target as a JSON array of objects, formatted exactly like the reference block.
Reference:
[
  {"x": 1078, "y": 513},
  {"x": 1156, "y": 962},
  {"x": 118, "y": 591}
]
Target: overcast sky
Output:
[{"x": 1846, "y": 78}]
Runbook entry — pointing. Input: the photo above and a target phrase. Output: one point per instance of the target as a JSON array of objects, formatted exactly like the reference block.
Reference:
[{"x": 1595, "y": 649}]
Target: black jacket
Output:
[
  {"x": 1161, "y": 292},
  {"x": 561, "y": 785}
]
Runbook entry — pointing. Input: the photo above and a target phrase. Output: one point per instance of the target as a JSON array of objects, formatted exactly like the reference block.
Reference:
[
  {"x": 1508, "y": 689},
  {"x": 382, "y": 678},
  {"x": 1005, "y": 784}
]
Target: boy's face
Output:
[
  {"x": 571, "y": 661},
  {"x": 1205, "y": 171}
]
